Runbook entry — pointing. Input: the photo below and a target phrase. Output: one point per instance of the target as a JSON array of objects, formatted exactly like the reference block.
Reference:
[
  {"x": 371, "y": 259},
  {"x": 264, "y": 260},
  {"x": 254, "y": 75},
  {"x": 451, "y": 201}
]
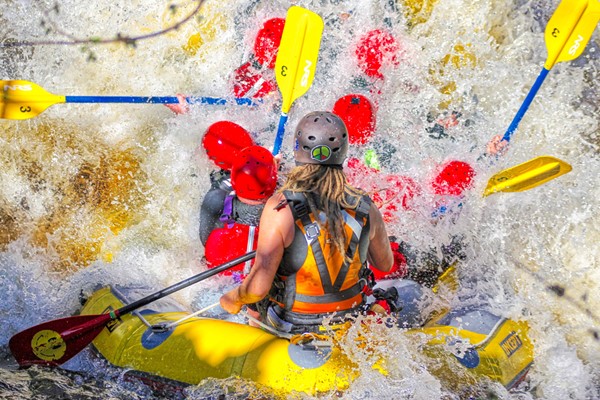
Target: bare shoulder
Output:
[
  {"x": 375, "y": 214},
  {"x": 376, "y": 221},
  {"x": 277, "y": 218},
  {"x": 277, "y": 208}
]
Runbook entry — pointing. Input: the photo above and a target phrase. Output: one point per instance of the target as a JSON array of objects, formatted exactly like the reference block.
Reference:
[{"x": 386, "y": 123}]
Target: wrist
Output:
[
  {"x": 239, "y": 300},
  {"x": 245, "y": 297}
]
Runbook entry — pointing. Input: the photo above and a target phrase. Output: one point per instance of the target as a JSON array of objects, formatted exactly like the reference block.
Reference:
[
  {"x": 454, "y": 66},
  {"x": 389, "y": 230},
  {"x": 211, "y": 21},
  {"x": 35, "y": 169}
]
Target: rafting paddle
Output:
[
  {"x": 296, "y": 60},
  {"x": 23, "y": 100},
  {"x": 527, "y": 175},
  {"x": 54, "y": 342},
  {"x": 566, "y": 35}
]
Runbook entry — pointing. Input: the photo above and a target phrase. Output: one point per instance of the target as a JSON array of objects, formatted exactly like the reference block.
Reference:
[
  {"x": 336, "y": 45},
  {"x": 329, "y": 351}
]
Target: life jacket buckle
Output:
[
  {"x": 300, "y": 208},
  {"x": 312, "y": 232},
  {"x": 277, "y": 293}
]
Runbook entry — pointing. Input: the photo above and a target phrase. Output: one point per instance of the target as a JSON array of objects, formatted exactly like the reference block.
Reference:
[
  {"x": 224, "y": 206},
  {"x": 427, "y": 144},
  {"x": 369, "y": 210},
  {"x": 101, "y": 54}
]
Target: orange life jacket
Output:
[{"x": 324, "y": 283}]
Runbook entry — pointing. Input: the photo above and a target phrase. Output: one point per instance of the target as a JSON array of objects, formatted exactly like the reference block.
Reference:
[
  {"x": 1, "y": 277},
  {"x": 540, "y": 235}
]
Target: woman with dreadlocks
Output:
[{"x": 316, "y": 235}]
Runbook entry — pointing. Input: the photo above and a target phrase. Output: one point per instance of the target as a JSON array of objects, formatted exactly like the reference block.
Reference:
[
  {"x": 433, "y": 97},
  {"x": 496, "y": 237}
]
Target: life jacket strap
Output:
[
  {"x": 296, "y": 323},
  {"x": 332, "y": 297},
  {"x": 361, "y": 217},
  {"x": 301, "y": 211},
  {"x": 227, "y": 216}
]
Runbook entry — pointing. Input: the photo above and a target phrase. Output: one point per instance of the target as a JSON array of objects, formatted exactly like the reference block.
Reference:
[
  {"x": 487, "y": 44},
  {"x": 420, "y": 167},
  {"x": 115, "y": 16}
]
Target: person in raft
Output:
[
  {"x": 316, "y": 235},
  {"x": 229, "y": 217}
]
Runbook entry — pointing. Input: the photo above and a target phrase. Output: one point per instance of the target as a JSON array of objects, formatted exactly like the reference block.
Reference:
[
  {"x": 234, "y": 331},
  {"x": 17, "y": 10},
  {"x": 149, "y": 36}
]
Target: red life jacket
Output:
[
  {"x": 225, "y": 244},
  {"x": 231, "y": 241}
]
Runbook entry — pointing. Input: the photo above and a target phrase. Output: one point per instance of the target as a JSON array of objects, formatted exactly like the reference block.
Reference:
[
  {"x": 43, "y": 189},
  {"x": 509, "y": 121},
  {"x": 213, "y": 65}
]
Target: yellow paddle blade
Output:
[
  {"x": 569, "y": 29},
  {"x": 23, "y": 99},
  {"x": 297, "y": 56},
  {"x": 527, "y": 175},
  {"x": 582, "y": 32}
]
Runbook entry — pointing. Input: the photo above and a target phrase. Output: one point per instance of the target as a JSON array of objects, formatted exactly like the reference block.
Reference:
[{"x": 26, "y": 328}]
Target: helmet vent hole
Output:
[
  {"x": 316, "y": 119},
  {"x": 332, "y": 139},
  {"x": 305, "y": 148},
  {"x": 328, "y": 120},
  {"x": 312, "y": 138},
  {"x": 336, "y": 150}
]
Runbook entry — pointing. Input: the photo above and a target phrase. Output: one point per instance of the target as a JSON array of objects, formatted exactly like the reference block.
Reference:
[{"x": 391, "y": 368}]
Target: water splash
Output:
[{"x": 110, "y": 193}]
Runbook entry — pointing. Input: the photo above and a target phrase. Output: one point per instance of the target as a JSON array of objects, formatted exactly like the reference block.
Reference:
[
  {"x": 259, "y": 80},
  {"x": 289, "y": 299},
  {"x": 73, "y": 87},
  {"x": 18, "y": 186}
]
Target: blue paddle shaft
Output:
[
  {"x": 532, "y": 92},
  {"x": 280, "y": 131},
  {"x": 160, "y": 100}
]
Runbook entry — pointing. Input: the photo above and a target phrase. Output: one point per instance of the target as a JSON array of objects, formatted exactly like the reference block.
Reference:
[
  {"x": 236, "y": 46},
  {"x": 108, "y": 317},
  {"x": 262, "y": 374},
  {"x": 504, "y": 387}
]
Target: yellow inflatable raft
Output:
[{"x": 200, "y": 348}]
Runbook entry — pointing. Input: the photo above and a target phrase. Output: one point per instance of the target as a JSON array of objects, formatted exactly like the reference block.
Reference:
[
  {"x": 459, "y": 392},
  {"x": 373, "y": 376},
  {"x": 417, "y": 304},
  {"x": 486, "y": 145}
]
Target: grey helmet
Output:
[{"x": 321, "y": 138}]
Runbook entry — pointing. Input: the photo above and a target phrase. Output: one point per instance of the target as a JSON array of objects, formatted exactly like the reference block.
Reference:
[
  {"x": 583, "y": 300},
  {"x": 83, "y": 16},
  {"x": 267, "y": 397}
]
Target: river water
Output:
[{"x": 94, "y": 194}]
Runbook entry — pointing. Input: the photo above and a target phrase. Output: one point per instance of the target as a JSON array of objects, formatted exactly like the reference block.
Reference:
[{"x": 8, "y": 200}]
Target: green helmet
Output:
[{"x": 321, "y": 138}]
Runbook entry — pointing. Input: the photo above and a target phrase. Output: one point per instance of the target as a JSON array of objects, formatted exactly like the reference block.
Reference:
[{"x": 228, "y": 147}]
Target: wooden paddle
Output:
[
  {"x": 296, "y": 60},
  {"x": 527, "y": 175},
  {"x": 23, "y": 100},
  {"x": 566, "y": 35},
  {"x": 54, "y": 342}
]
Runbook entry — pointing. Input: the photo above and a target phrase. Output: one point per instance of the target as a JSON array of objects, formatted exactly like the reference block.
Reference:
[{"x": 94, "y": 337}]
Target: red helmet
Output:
[
  {"x": 358, "y": 114},
  {"x": 254, "y": 173},
  {"x": 223, "y": 140},
  {"x": 267, "y": 42},
  {"x": 453, "y": 179},
  {"x": 375, "y": 49}
]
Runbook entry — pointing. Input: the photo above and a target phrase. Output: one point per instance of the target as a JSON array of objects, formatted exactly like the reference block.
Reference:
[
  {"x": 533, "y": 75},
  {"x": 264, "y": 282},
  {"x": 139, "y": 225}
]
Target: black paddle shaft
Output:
[{"x": 183, "y": 284}]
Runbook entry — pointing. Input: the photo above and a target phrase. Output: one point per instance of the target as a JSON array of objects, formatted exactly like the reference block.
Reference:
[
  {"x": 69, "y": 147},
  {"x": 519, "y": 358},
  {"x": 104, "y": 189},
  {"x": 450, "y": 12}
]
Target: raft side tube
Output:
[
  {"x": 499, "y": 348},
  {"x": 201, "y": 348}
]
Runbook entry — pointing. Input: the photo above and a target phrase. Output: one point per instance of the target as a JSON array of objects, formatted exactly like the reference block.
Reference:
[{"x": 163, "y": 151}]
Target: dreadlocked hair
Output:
[{"x": 326, "y": 189}]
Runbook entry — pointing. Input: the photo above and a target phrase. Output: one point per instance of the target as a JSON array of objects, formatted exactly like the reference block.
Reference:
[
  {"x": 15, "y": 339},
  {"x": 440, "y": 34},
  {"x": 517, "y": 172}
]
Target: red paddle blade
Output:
[
  {"x": 251, "y": 81},
  {"x": 54, "y": 342}
]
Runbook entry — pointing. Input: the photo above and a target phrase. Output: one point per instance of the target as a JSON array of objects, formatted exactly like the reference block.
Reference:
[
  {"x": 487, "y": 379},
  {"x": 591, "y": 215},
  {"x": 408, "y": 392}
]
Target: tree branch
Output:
[{"x": 127, "y": 40}]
